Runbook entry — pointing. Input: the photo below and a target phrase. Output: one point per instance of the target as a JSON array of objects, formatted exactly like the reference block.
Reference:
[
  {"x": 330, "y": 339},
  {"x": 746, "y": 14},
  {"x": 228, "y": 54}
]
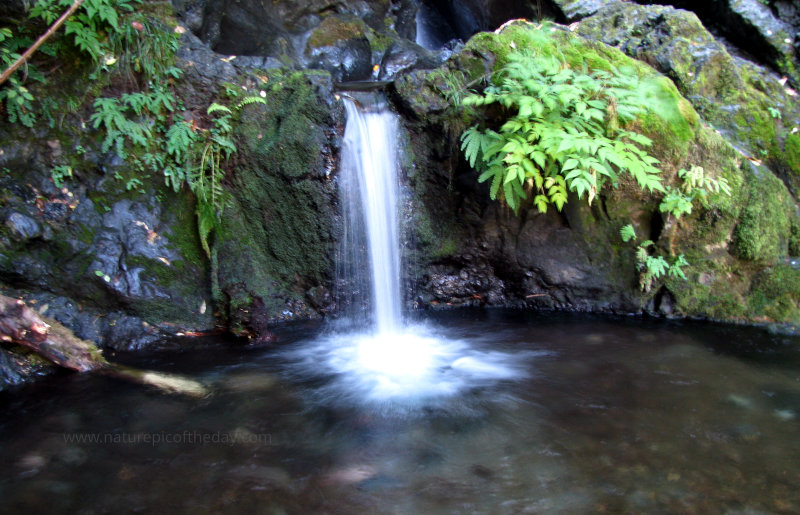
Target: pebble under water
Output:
[{"x": 542, "y": 414}]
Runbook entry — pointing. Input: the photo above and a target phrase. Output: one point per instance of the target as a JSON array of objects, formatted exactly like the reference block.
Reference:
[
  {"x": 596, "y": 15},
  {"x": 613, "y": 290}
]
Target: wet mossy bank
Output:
[
  {"x": 121, "y": 262},
  {"x": 576, "y": 259}
]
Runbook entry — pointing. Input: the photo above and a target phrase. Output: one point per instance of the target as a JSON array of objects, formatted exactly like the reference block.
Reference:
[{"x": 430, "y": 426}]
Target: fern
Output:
[
  {"x": 180, "y": 138},
  {"x": 59, "y": 173},
  {"x": 471, "y": 144},
  {"x": 652, "y": 267},
  {"x": 249, "y": 101},
  {"x": 696, "y": 186},
  {"x": 85, "y": 38},
  {"x": 561, "y": 133},
  {"x": 206, "y": 181},
  {"x": 215, "y": 108},
  {"x": 675, "y": 269},
  {"x": 628, "y": 233}
]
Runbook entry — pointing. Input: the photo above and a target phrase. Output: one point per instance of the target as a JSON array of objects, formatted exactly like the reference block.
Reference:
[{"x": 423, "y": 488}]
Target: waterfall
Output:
[
  {"x": 425, "y": 37},
  {"x": 374, "y": 356},
  {"x": 369, "y": 189}
]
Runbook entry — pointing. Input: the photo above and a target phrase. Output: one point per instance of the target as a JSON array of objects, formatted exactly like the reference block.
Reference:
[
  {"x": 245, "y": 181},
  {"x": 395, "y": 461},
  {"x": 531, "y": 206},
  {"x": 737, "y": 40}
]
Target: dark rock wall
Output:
[{"x": 768, "y": 31}]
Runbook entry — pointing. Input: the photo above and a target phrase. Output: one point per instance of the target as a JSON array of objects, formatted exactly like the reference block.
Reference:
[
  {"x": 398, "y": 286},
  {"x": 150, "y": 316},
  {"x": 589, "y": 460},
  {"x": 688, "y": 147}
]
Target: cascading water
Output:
[
  {"x": 369, "y": 189},
  {"x": 425, "y": 35},
  {"x": 374, "y": 357}
]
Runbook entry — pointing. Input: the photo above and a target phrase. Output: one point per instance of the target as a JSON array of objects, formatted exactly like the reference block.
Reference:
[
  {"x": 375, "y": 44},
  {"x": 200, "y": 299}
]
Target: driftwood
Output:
[{"x": 23, "y": 326}]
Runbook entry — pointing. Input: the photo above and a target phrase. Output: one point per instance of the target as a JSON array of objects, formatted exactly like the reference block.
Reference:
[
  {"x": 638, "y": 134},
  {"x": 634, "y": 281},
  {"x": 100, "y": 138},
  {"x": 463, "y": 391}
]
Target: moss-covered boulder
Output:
[
  {"x": 753, "y": 108},
  {"x": 94, "y": 252},
  {"x": 576, "y": 259},
  {"x": 764, "y": 29},
  {"x": 340, "y": 46},
  {"x": 276, "y": 242}
]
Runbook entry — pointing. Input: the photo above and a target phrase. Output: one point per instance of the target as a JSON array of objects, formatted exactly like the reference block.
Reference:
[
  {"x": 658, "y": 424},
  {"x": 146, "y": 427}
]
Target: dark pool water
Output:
[{"x": 599, "y": 415}]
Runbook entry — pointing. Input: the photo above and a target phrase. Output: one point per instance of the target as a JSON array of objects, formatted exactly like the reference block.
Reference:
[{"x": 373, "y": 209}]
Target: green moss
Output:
[
  {"x": 762, "y": 233},
  {"x": 183, "y": 235},
  {"x": 671, "y": 121},
  {"x": 792, "y": 153},
  {"x": 85, "y": 234},
  {"x": 380, "y": 42},
  {"x": 759, "y": 128},
  {"x": 283, "y": 137},
  {"x": 334, "y": 29},
  {"x": 436, "y": 241},
  {"x": 794, "y": 238},
  {"x": 713, "y": 290},
  {"x": 276, "y": 240},
  {"x": 776, "y": 294}
]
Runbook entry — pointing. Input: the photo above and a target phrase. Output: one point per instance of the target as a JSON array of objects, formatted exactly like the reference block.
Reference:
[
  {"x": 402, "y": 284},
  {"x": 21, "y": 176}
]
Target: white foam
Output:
[{"x": 409, "y": 367}]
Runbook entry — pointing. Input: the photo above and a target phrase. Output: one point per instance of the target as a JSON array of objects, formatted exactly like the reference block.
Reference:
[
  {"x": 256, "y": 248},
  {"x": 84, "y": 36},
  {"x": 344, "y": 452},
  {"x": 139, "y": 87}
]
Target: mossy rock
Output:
[
  {"x": 277, "y": 239},
  {"x": 776, "y": 294},
  {"x": 791, "y": 152},
  {"x": 763, "y": 232},
  {"x": 747, "y": 103},
  {"x": 726, "y": 239},
  {"x": 334, "y": 29},
  {"x": 672, "y": 130}
]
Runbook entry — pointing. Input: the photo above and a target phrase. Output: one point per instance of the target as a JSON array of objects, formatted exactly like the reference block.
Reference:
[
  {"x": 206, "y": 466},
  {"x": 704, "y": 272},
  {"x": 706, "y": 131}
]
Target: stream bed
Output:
[{"x": 531, "y": 413}]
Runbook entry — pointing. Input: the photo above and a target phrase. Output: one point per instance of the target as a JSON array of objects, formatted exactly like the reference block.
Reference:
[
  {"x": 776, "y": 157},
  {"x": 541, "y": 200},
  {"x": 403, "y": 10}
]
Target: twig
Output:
[{"x": 39, "y": 42}]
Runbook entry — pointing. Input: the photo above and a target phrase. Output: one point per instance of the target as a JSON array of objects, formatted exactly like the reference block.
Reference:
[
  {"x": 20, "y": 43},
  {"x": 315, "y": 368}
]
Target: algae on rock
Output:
[
  {"x": 574, "y": 261},
  {"x": 276, "y": 241}
]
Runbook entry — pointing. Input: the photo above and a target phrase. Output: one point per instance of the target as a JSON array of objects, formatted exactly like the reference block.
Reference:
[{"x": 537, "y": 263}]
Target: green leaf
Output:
[
  {"x": 215, "y": 107},
  {"x": 180, "y": 138},
  {"x": 471, "y": 144},
  {"x": 540, "y": 201},
  {"x": 556, "y": 134},
  {"x": 570, "y": 164},
  {"x": 509, "y": 196},
  {"x": 656, "y": 266},
  {"x": 511, "y": 173},
  {"x": 628, "y": 233}
]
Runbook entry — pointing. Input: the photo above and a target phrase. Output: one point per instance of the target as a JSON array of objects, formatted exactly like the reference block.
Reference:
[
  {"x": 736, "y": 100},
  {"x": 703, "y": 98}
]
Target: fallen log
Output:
[{"x": 23, "y": 326}]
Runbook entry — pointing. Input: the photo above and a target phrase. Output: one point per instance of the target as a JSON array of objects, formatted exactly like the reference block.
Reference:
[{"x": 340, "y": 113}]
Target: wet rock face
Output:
[
  {"x": 22, "y": 227},
  {"x": 453, "y": 19},
  {"x": 352, "y": 40},
  {"x": 746, "y": 102},
  {"x": 340, "y": 47},
  {"x": 318, "y": 34},
  {"x": 18, "y": 368},
  {"x": 752, "y": 26},
  {"x": 104, "y": 265},
  {"x": 768, "y": 31},
  {"x": 203, "y": 72}
]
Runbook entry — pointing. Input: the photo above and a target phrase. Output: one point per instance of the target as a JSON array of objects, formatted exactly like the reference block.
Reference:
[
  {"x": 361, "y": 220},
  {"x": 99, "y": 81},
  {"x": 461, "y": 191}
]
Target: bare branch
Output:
[{"x": 39, "y": 42}]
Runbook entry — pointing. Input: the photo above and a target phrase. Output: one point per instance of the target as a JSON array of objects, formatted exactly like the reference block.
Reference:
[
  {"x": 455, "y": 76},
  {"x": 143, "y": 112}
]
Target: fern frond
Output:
[
  {"x": 628, "y": 233},
  {"x": 471, "y": 142},
  {"x": 214, "y": 107},
  {"x": 250, "y": 100}
]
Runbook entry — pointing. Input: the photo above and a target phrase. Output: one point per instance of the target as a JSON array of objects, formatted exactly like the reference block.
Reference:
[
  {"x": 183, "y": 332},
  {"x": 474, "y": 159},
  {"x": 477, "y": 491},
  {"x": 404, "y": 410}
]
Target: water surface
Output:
[{"x": 598, "y": 415}]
